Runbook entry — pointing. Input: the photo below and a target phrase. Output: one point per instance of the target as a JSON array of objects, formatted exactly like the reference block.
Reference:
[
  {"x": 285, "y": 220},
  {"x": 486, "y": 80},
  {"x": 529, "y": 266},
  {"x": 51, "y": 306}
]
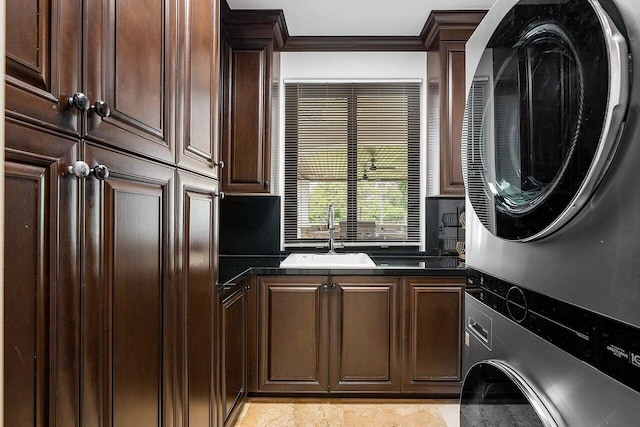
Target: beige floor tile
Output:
[
  {"x": 450, "y": 411},
  {"x": 285, "y": 412}
]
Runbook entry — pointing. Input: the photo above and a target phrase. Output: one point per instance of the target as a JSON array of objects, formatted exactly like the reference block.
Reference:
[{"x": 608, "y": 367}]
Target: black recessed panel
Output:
[{"x": 250, "y": 225}]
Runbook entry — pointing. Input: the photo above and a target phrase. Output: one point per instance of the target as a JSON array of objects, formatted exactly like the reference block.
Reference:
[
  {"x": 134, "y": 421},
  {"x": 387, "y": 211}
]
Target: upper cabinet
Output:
[
  {"x": 138, "y": 75},
  {"x": 251, "y": 74},
  {"x": 129, "y": 65},
  {"x": 43, "y": 62},
  {"x": 199, "y": 58},
  {"x": 445, "y": 35}
]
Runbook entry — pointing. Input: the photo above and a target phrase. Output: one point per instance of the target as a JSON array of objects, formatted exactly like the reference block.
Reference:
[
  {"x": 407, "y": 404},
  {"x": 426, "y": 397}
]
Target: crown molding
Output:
[
  {"x": 271, "y": 24},
  {"x": 352, "y": 44},
  {"x": 450, "y": 25}
]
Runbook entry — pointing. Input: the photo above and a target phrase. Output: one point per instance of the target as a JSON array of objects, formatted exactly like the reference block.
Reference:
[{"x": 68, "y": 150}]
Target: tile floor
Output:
[{"x": 307, "y": 412}]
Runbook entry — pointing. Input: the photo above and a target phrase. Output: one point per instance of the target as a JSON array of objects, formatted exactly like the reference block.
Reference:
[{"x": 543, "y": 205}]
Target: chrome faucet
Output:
[{"x": 331, "y": 227}]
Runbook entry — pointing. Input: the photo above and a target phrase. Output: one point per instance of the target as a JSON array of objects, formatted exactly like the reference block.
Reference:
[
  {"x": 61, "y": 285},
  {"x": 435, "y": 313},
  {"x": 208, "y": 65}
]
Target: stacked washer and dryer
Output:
[{"x": 551, "y": 146}]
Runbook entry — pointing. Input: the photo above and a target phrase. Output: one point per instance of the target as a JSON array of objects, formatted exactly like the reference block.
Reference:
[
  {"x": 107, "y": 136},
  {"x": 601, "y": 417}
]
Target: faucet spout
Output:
[{"x": 331, "y": 227}]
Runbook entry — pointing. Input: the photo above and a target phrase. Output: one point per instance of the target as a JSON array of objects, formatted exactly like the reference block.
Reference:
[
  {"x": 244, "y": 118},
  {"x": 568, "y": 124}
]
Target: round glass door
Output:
[
  {"x": 493, "y": 394},
  {"x": 540, "y": 123}
]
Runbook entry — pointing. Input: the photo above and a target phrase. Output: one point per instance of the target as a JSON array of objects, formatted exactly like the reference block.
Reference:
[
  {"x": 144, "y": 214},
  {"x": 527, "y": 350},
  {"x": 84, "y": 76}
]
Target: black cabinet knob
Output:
[
  {"x": 80, "y": 101},
  {"x": 101, "y": 172},
  {"x": 101, "y": 108}
]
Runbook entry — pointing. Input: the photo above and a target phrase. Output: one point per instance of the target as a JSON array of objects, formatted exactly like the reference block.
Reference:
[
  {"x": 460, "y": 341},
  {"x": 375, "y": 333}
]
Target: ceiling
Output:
[{"x": 358, "y": 17}]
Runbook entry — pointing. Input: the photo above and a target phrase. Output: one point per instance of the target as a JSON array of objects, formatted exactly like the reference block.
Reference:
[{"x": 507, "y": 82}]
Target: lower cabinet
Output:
[
  {"x": 197, "y": 261},
  {"x": 293, "y": 327},
  {"x": 365, "y": 334},
  {"x": 41, "y": 279},
  {"x": 128, "y": 295},
  {"x": 355, "y": 335},
  {"x": 432, "y": 334},
  {"x": 318, "y": 335},
  {"x": 233, "y": 351},
  {"x": 109, "y": 314}
]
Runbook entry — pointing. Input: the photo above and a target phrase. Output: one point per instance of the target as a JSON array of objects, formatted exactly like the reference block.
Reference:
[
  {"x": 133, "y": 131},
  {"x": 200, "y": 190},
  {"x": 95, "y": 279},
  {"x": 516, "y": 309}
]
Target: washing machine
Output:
[{"x": 551, "y": 153}]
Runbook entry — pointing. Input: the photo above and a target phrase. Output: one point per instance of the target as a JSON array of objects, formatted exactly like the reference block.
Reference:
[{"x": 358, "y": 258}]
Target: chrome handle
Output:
[
  {"x": 82, "y": 170},
  {"x": 266, "y": 185},
  {"x": 333, "y": 286},
  {"x": 101, "y": 108},
  {"x": 325, "y": 287},
  {"x": 219, "y": 164},
  {"x": 80, "y": 101},
  {"x": 220, "y": 194},
  {"x": 101, "y": 172},
  {"x": 79, "y": 169}
]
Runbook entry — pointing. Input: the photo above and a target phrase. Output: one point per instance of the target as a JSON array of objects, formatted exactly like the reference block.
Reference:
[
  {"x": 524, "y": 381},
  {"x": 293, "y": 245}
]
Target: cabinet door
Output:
[
  {"x": 197, "y": 272},
  {"x": 246, "y": 139},
  {"x": 129, "y": 59},
  {"x": 433, "y": 316},
  {"x": 128, "y": 296},
  {"x": 41, "y": 279},
  {"x": 43, "y": 61},
  {"x": 452, "y": 102},
  {"x": 233, "y": 353},
  {"x": 200, "y": 56},
  {"x": 365, "y": 334},
  {"x": 292, "y": 334}
]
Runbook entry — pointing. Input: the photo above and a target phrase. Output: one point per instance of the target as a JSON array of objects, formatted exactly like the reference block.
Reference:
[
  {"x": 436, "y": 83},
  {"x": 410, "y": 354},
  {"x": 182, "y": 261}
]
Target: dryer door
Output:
[
  {"x": 493, "y": 394},
  {"x": 543, "y": 115}
]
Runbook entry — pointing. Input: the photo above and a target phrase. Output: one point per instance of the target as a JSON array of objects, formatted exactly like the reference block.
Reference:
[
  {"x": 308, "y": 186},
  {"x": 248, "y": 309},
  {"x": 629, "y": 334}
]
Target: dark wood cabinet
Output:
[
  {"x": 233, "y": 352},
  {"x": 317, "y": 336},
  {"x": 128, "y": 295},
  {"x": 43, "y": 62},
  {"x": 129, "y": 62},
  {"x": 445, "y": 34},
  {"x": 197, "y": 266},
  {"x": 251, "y": 74},
  {"x": 113, "y": 312},
  {"x": 124, "y": 54},
  {"x": 452, "y": 104},
  {"x": 41, "y": 279},
  {"x": 293, "y": 326},
  {"x": 432, "y": 334},
  {"x": 246, "y": 143},
  {"x": 356, "y": 335},
  {"x": 365, "y": 334},
  {"x": 199, "y": 54}
]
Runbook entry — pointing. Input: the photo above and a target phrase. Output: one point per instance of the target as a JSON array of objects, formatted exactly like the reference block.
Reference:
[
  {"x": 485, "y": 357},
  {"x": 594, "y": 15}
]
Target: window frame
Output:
[{"x": 415, "y": 181}]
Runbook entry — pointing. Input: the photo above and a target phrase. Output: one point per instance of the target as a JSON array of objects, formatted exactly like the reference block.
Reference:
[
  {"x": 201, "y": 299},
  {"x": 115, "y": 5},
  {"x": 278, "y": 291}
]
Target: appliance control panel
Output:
[{"x": 611, "y": 346}]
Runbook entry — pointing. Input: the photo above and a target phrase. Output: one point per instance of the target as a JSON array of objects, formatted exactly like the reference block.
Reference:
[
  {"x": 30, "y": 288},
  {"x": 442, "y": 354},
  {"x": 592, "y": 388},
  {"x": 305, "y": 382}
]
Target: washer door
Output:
[
  {"x": 493, "y": 394},
  {"x": 543, "y": 115}
]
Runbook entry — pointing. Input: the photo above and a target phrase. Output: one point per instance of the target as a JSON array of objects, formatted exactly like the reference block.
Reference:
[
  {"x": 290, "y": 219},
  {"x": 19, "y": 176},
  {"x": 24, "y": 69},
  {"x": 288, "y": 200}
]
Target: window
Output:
[{"x": 356, "y": 146}]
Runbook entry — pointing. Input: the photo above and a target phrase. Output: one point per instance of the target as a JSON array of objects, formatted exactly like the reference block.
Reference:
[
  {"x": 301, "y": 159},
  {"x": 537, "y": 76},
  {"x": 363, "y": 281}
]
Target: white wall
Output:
[{"x": 353, "y": 66}]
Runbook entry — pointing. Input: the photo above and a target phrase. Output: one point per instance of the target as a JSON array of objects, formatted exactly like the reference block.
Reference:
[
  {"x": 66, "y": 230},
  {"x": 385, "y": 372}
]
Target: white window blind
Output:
[{"x": 356, "y": 146}]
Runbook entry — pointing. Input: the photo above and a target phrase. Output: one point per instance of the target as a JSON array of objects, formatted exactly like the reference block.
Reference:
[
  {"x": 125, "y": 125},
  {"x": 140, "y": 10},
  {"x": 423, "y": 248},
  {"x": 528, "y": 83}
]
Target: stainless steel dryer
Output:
[{"x": 551, "y": 145}]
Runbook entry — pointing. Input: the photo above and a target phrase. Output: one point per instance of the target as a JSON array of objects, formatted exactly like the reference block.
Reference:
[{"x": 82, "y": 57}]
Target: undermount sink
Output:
[{"x": 326, "y": 260}]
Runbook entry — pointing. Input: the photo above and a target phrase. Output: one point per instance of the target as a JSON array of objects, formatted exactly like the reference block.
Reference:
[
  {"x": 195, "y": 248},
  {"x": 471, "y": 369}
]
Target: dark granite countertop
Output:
[{"x": 233, "y": 268}]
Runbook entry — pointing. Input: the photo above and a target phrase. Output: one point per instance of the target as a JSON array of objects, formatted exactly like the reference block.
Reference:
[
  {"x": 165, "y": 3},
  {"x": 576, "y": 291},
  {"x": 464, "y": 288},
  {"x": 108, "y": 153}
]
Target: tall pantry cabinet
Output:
[{"x": 111, "y": 213}]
